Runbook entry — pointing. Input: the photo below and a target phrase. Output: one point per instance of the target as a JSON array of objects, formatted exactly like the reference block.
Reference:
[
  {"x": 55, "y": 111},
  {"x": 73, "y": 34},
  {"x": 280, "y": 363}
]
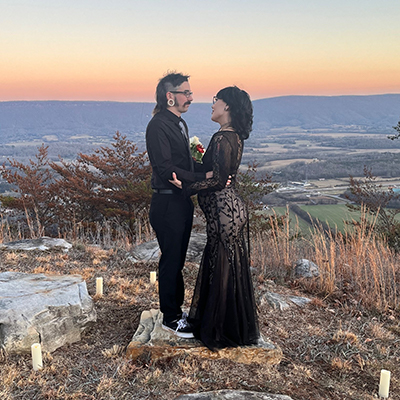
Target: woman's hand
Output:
[
  {"x": 175, "y": 181},
  {"x": 209, "y": 175}
]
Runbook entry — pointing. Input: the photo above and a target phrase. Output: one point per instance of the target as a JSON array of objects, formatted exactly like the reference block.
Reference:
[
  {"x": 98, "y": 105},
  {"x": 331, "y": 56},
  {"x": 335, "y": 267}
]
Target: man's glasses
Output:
[
  {"x": 187, "y": 93},
  {"x": 215, "y": 99}
]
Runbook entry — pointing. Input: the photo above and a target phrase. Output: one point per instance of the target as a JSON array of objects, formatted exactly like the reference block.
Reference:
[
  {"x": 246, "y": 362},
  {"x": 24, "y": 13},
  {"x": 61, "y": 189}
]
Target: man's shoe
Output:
[{"x": 179, "y": 327}]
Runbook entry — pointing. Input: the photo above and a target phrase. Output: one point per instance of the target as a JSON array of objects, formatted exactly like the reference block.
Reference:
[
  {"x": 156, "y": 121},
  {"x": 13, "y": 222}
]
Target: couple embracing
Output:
[{"x": 223, "y": 310}]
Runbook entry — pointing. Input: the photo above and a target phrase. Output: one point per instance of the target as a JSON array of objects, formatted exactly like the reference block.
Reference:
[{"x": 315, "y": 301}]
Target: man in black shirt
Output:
[{"x": 171, "y": 214}]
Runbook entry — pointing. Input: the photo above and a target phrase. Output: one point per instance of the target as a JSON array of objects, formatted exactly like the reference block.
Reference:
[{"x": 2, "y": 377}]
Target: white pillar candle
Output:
[
  {"x": 99, "y": 286},
  {"x": 36, "y": 351},
  {"x": 153, "y": 277},
  {"x": 384, "y": 384}
]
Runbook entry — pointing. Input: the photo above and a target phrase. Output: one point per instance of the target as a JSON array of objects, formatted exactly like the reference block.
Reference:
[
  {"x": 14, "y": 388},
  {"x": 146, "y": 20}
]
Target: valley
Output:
[{"x": 308, "y": 145}]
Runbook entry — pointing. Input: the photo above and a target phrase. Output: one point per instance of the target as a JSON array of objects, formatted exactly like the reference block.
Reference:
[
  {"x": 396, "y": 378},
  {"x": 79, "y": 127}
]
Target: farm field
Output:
[
  {"x": 296, "y": 223},
  {"x": 332, "y": 214}
]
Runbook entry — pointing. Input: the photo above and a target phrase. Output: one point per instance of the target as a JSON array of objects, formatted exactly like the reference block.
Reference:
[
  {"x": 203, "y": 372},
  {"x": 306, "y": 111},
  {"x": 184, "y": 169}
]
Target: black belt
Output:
[{"x": 163, "y": 191}]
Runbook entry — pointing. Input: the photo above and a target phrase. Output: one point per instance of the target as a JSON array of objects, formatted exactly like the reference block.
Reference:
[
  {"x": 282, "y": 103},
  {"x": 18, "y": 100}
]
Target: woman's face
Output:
[{"x": 220, "y": 111}]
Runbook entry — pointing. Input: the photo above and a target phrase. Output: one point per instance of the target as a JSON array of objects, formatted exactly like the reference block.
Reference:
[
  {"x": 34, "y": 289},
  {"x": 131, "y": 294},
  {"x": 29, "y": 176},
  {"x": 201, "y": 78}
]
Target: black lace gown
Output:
[{"x": 223, "y": 310}]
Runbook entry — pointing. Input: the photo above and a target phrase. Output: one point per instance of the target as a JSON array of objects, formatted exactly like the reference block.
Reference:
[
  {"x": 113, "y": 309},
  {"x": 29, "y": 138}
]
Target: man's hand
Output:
[{"x": 175, "y": 181}]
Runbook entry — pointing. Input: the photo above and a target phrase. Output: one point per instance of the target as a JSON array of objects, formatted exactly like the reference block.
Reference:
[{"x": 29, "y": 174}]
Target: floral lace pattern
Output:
[{"x": 223, "y": 309}]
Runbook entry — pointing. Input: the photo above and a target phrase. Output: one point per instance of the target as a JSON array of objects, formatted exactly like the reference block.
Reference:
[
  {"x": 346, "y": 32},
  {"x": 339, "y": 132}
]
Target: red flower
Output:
[{"x": 200, "y": 148}]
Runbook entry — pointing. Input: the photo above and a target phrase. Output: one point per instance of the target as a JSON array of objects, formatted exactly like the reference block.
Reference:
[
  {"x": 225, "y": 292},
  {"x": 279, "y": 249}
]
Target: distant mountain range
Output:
[
  {"x": 72, "y": 120},
  {"x": 347, "y": 113}
]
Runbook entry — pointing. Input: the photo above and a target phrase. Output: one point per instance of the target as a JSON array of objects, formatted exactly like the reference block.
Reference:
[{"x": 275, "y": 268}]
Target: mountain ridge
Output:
[{"x": 63, "y": 120}]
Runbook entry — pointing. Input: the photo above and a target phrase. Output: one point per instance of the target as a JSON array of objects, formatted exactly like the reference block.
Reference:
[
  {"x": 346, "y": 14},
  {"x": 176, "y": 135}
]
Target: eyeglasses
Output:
[
  {"x": 215, "y": 99},
  {"x": 187, "y": 93}
]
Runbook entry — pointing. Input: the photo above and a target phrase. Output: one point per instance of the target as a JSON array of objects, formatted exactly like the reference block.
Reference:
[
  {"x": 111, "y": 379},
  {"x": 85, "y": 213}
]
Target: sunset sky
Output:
[{"x": 118, "y": 49}]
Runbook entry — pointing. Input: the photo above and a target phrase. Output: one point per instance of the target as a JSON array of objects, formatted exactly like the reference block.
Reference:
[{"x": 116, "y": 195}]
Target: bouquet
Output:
[{"x": 196, "y": 148}]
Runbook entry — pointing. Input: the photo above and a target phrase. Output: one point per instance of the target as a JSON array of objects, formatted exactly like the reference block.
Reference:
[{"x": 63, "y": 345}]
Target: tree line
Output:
[
  {"x": 112, "y": 186},
  {"x": 109, "y": 186},
  {"x": 112, "y": 183}
]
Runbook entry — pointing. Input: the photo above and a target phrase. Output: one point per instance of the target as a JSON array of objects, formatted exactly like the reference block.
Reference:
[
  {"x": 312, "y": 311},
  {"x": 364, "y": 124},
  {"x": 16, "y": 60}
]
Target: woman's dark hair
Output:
[
  {"x": 241, "y": 109},
  {"x": 169, "y": 82}
]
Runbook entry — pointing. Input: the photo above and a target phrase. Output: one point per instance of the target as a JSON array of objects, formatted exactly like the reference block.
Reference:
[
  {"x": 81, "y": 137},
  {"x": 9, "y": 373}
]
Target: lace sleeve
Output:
[{"x": 221, "y": 165}]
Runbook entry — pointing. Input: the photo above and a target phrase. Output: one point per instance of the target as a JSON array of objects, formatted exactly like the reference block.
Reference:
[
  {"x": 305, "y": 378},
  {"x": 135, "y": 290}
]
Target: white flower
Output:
[
  {"x": 194, "y": 140},
  {"x": 196, "y": 149}
]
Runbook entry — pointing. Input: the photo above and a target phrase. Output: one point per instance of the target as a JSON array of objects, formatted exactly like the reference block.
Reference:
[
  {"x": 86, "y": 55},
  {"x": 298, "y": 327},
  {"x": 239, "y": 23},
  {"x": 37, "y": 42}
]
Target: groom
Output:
[{"x": 171, "y": 214}]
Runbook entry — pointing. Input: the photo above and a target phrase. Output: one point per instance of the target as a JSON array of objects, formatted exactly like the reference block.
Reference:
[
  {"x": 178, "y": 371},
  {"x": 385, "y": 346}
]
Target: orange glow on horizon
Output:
[
  {"x": 131, "y": 80},
  {"x": 204, "y": 87}
]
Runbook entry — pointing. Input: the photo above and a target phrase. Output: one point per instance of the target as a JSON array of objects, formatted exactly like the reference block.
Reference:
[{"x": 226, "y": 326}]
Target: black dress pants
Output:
[{"x": 171, "y": 216}]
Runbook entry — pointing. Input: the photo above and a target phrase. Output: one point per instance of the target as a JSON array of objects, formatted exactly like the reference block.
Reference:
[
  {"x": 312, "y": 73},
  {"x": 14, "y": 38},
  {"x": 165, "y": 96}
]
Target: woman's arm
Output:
[{"x": 221, "y": 166}]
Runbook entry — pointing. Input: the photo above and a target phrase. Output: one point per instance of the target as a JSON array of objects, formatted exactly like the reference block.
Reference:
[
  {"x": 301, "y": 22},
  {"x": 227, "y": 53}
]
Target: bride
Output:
[{"x": 223, "y": 310}]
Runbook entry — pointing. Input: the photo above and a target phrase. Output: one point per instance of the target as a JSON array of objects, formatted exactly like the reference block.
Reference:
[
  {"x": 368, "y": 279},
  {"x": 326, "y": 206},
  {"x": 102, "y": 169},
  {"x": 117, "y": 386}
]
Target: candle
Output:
[
  {"x": 153, "y": 277},
  {"x": 36, "y": 350},
  {"x": 99, "y": 286},
  {"x": 384, "y": 384}
]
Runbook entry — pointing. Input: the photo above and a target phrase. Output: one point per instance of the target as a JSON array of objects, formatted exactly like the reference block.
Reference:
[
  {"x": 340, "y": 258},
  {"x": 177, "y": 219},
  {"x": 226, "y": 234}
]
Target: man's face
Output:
[{"x": 183, "y": 100}]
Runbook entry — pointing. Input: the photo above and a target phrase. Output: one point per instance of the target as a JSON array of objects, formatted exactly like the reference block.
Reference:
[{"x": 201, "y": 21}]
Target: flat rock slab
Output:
[
  {"x": 283, "y": 302},
  {"x": 43, "y": 243},
  {"x": 49, "y": 309},
  {"x": 151, "y": 339},
  {"x": 150, "y": 251},
  {"x": 232, "y": 395}
]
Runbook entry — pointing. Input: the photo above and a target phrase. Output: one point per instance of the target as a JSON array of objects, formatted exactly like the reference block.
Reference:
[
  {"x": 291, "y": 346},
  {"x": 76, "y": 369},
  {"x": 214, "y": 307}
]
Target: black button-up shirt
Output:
[{"x": 168, "y": 152}]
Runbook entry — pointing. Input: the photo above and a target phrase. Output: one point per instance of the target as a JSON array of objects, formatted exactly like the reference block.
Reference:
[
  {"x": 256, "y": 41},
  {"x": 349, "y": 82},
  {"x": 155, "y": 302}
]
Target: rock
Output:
[
  {"x": 299, "y": 301},
  {"x": 150, "y": 251},
  {"x": 282, "y": 302},
  {"x": 50, "y": 309},
  {"x": 151, "y": 339},
  {"x": 43, "y": 243},
  {"x": 197, "y": 243},
  {"x": 275, "y": 300},
  {"x": 232, "y": 395},
  {"x": 305, "y": 269}
]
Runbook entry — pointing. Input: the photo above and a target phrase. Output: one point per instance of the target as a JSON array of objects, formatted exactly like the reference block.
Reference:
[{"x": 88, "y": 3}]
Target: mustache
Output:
[{"x": 188, "y": 103}]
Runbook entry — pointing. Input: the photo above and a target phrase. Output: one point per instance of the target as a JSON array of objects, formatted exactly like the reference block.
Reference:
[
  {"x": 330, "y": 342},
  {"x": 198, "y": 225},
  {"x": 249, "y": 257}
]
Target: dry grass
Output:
[
  {"x": 334, "y": 348},
  {"x": 355, "y": 267}
]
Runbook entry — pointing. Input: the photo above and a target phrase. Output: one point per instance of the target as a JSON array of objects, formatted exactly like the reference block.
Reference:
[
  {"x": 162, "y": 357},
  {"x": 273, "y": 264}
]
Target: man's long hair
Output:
[{"x": 169, "y": 82}]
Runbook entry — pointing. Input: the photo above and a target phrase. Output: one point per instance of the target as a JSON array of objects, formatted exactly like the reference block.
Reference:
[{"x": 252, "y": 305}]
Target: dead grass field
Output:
[
  {"x": 333, "y": 348},
  {"x": 277, "y": 164}
]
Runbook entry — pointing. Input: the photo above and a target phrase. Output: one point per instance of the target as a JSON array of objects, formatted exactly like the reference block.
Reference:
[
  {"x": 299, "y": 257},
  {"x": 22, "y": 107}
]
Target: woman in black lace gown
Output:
[{"x": 223, "y": 310}]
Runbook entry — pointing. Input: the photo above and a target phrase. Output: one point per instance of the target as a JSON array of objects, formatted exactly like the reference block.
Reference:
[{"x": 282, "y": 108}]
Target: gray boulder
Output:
[
  {"x": 49, "y": 309},
  {"x": 304, "y": 268},
  {"x": 232, "y": 395},
  {"x": 43, "y": 243},
  {"x": 150, "y": 251}
]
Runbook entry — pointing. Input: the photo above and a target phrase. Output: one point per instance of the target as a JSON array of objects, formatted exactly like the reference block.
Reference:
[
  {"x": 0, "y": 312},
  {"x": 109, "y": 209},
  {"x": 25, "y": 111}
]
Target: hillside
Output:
[
  {"x": 333, "y": 349},
  {"x": 67, "y": 121},
  {"x": 337, "y": 113}
]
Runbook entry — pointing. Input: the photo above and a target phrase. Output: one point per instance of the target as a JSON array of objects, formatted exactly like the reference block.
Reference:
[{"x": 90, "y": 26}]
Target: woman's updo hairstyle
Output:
[{"x": 241, "y": 109}]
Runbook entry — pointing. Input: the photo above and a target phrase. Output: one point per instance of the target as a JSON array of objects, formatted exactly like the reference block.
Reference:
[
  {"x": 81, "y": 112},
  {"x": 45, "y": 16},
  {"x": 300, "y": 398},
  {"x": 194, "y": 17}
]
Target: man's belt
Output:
[{"x": 163, "y": 191}]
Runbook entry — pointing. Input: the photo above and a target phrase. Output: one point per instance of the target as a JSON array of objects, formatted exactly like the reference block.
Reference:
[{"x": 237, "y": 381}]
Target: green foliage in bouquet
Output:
[{"x": 196, "y": 148}]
